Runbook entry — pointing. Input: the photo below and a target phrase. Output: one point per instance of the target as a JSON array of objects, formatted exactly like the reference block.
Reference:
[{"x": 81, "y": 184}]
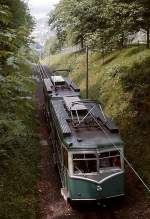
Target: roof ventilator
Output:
[{"x": 86, "y": 113}]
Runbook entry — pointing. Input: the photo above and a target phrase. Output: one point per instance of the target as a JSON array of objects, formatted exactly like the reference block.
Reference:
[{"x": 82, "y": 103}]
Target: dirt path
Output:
[{"x": 52, "y": 205}]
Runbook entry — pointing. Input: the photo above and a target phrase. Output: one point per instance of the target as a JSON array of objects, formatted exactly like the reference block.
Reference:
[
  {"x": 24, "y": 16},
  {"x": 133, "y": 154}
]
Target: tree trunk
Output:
[
  {"x": 82, "y": 42},
  {"x": 148, "y": 35},
  {"x": 122, "y": 41}
]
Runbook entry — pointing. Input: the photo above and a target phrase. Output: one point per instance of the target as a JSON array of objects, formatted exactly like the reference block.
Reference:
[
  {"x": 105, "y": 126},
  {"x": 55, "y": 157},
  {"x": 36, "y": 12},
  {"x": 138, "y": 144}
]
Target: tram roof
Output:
[
  {"x": 58, "y": 87},
  {"x": 85, "y": 137},
  {"x": 72, "y": 103},
  {"x": 57, "y": 78}
]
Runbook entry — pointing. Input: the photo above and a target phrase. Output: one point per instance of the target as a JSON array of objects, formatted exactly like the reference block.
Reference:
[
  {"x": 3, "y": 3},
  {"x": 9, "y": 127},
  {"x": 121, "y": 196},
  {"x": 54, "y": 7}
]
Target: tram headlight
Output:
[{"x": 99, "y": 188}]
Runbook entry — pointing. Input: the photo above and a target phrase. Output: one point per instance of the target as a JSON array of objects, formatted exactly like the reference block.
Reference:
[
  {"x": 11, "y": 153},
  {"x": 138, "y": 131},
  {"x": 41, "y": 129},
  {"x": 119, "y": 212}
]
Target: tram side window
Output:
[
  {"x": 84, "y": 164},
  {"x": 110, "y": 159}
]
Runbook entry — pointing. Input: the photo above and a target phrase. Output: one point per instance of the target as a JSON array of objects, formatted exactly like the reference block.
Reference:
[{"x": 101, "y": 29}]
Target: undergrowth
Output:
[{"x": 19, "y": 151}]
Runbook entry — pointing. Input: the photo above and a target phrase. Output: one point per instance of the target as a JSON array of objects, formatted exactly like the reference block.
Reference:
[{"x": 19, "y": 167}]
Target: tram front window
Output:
[
  {"x": 84, "y": 164},
  {"x": 110, "y": 160}
]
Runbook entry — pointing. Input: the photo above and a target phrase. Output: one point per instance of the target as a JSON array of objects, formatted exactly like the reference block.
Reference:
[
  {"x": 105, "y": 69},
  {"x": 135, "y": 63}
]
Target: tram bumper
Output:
[{"x": 86, "y": 189}]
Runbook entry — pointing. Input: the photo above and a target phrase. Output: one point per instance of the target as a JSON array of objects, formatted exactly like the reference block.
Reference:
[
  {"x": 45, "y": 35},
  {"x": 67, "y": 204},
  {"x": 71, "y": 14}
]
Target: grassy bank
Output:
[{"x": 122, "y": 83}]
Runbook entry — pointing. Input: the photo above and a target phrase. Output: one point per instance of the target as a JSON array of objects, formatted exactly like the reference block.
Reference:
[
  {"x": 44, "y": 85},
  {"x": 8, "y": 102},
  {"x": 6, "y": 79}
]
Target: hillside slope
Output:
[{"x": 122, "y": 84}]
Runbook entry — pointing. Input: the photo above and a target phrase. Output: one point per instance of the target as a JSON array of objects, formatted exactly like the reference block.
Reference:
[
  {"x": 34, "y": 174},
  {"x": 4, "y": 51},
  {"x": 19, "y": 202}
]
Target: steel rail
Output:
[
  {"x": 39, "y": 71},
  {"x": 43, "y": 72}
]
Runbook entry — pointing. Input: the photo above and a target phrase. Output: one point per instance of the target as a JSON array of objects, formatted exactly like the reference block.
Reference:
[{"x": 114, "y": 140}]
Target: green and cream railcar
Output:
[{"x": 87, "y": 149}]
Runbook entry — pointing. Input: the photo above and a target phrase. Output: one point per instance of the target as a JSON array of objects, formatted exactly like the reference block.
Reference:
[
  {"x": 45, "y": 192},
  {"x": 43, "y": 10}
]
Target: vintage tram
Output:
[{"x": 87, "y": 147}]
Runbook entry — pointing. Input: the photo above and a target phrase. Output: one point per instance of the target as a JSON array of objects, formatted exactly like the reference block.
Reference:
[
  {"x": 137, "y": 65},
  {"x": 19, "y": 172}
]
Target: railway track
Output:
[{"x": 41, "y": 70}]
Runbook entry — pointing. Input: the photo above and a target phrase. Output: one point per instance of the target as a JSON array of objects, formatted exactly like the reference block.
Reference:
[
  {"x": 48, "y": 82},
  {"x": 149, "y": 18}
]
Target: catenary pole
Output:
[{"x": 87, "y": 72}]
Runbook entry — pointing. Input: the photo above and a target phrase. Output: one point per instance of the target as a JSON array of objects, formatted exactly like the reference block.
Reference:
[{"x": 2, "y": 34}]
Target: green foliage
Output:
[
  {"x": 15, "y": 27},
  {"x": 18, "y": 146},
  {"x": 104, "y": 24},
  {"x": 18, "y": 140}
]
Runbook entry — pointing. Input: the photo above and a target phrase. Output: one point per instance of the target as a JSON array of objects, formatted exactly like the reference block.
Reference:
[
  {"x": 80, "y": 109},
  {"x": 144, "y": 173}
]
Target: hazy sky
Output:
[{"x": 40, "y": 8}]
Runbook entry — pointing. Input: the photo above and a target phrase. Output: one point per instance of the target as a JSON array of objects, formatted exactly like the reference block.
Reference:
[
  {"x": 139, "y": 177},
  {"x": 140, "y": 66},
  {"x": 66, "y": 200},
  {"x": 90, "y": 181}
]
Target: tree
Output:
[
  {"x": 16, "y": 25},
  {"x": 69, "y": 17},
  {"x": 17, "y": 137},
  {"x": 123, "y": 20},
  {"x": 102, "y": 23},
  {"x": 141, "y": 16}
]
